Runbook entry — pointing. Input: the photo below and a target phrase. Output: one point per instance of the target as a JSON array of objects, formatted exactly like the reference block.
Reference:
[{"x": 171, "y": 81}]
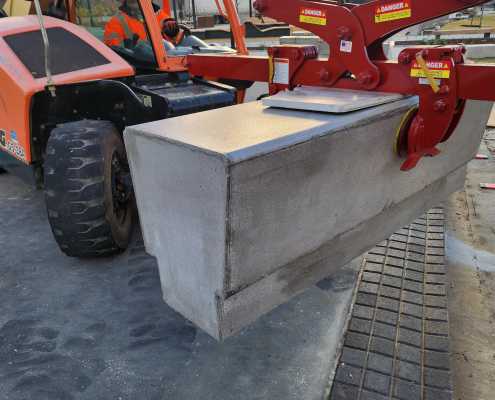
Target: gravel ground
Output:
[
  {"x": 98, "y": 329},
  {"x": 470, "y": 253}
]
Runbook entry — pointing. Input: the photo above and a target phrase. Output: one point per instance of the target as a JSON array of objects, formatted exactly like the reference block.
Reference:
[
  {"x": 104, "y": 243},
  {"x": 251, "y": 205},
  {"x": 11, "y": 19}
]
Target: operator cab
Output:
[{"x": 121, "y": 25}]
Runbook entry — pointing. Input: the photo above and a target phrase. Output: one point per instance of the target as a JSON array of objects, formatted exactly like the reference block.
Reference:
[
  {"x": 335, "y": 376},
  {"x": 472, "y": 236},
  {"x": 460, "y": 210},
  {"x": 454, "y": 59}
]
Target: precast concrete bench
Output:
[{"x": 245, "y": 207}]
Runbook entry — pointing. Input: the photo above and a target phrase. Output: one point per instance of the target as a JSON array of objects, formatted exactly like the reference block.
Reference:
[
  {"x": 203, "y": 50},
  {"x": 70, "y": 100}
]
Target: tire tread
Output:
[{"x": 74, "y": 189}]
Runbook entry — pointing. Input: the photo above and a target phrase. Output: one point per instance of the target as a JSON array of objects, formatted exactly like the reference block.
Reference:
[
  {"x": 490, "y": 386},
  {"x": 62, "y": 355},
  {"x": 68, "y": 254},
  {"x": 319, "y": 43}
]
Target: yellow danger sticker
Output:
[
  {"x": 393, "y": 11},
  {"x": 439, "y": 70},
  {"x": 313, "y": 16}
]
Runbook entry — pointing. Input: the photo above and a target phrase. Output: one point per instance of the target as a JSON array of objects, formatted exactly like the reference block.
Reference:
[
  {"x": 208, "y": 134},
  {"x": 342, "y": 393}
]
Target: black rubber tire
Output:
[
  {"x": 2, "y": 171},
  {"x": 79, "y": 177}
]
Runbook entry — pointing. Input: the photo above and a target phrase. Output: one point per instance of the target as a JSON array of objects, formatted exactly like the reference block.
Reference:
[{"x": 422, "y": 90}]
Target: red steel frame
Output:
[{"x": 355, "y": 34}]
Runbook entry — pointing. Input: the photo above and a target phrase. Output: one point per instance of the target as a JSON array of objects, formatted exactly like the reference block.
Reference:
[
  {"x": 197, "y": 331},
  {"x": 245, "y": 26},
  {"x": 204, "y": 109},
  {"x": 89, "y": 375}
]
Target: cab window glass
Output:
[{"x": 119, "y": 24}]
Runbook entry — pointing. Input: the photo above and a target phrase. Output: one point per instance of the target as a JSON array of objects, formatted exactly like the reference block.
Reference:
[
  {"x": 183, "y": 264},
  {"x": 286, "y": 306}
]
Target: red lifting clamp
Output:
[
  {"x": 440, "y": 107},
  {"x": 355, "y": 35}
]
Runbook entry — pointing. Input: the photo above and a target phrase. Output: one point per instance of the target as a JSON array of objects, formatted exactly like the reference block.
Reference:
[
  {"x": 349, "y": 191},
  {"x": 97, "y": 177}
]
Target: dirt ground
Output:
[
  {"x": 488, "y": 21},
  {"x": 71, "y": 331},
  {"x": 470, "y": 239},
  {"x": 98, "y": 329}
]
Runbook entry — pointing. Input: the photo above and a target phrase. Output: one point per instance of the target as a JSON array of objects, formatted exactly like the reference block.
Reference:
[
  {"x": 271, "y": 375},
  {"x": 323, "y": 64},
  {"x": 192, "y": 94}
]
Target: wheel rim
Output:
[{"x": 121, "y": 188}]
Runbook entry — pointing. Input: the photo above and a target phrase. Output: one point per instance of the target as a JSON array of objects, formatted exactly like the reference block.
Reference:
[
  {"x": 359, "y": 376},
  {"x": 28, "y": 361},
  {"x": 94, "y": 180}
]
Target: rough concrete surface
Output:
[
  {"x": 260, "y": 199},
  {"x": 99, "y": 330},
  {"x": 470, "y": 241}
]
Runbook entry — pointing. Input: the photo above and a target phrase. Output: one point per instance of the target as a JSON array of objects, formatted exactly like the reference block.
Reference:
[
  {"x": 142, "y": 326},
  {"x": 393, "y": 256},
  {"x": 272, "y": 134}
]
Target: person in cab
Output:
[{"x": 127, "y": 27}]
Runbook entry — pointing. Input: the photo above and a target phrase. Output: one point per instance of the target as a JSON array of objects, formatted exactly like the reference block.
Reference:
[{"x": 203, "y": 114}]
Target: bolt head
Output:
[
  {"x": 324, "y": 75},
  {"x": 444, "y": 89},
  {"x": 404, "y": 58},
  {"x": 440, "y": 106},
  {"x": 364, "y": 78},
  {"x": 259, "y": 5},
  {"x": 344, "y": 33}
]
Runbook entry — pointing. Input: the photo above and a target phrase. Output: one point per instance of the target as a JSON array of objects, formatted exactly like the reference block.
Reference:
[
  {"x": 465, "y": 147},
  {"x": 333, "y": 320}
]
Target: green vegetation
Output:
[
  {"x": 490, "y": 60},
  {"x": 96, "y": 13},
  {"x": 488, "y": 22}
]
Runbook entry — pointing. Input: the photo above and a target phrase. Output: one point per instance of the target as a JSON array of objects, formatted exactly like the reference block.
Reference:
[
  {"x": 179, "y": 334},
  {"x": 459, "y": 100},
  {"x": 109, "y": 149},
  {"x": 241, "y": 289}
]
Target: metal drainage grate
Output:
[{"x": 397, "y": 342}]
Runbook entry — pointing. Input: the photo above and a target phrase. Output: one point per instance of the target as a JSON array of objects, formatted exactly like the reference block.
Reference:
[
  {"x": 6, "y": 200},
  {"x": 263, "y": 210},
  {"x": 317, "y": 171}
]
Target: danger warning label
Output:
[
  {"x": 438, "y": 69},
  {"x": 313, "y": 16},
  {"x": 393, "y": 11}
]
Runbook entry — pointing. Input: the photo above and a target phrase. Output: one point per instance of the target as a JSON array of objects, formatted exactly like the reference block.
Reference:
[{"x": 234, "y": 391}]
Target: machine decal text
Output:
[
  {"x": 393, "y": 11},
  {"x": 313, "y": 16},
  {"x": 346, "y": 46},
  {"x": 11, "y": 145},
  {"x": 439, "y": 70}
]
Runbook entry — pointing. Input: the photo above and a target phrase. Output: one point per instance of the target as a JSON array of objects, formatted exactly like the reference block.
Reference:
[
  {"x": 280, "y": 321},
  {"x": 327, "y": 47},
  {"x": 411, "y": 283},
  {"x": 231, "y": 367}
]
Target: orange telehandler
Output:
[{"x": 66, "y": 97}]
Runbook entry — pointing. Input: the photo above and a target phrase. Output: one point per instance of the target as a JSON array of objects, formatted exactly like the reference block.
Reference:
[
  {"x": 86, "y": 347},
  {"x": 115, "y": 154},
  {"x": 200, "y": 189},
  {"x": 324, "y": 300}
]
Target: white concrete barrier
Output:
[
  {"x": 473, "y": 51},
  {"x": 309, "y": 40},
  {"x": 244, "y": 207},
  {"x": 391, "y": 50},
  {"x": 480, "y": 51}
]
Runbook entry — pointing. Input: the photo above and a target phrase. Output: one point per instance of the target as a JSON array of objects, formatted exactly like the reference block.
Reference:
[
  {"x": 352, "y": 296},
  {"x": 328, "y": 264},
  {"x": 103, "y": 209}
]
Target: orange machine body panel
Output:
[{"x": 17, "y": 84}]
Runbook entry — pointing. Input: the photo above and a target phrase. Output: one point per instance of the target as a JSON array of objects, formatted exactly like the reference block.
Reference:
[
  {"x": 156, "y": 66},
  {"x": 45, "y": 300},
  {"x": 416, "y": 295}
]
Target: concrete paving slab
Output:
[
  {"x": 328, "y": 100},
  {"x": 397, "y": 343},
  {"x": 98, "y": 329}
]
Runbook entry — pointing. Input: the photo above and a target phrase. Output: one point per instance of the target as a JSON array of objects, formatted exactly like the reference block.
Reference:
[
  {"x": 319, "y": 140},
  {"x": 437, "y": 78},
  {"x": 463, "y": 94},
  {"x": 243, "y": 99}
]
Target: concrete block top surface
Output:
[{"x": 242, "y": 132}]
